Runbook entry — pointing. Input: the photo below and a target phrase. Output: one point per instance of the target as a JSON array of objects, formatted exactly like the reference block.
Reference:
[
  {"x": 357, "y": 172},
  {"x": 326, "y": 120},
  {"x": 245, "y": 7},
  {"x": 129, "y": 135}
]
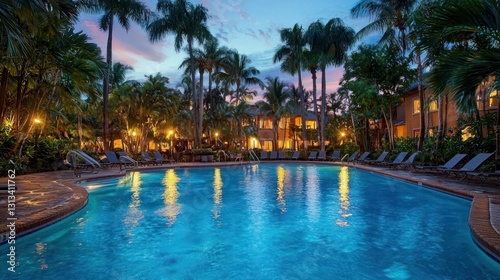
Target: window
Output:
[
  {"x": 311, "y": 124},
  {"x": 416, "y": 106},
  {"x": 493, "y": 99},
  {"x": 416, "y": 132},
  {"x": 265, "y": 123},
  {"x": 433, "y": 106}
]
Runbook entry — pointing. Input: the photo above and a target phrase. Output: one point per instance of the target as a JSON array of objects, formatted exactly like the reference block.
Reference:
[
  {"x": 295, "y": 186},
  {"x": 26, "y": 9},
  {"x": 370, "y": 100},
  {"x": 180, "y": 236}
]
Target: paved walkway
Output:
[{"x": 43, "y": 198}]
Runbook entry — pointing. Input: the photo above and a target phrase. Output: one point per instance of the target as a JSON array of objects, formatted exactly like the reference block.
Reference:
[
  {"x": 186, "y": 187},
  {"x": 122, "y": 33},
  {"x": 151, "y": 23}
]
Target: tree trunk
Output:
[
  {"x": 197, "y": 133},
  {"x": 3, "y": 93},
  {"x": 315, "y": 100},
  {"x": 303, "y": 110},
  {"x": 19, "y": 96},
  {"x": 440, "y": 134},
  {"x": 323, "y": 107},
  {"x": 200, "y": 105},
  {"x": 421, "y": 98},
  {"x": 105, "y": 86},
  {"x": 80, "y": 130}
]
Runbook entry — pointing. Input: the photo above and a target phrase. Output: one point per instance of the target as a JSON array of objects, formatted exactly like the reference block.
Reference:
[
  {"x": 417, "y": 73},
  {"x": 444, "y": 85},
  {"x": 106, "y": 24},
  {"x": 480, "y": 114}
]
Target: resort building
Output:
[
  {"x": 407, "y": 121},
  {"x": 289, "y": 131}
]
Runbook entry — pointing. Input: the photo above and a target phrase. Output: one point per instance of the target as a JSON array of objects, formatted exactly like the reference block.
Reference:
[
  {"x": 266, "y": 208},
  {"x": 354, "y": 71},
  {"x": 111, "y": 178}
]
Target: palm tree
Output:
[
  {"x": 275, "y": 98},
  {"x": 388, "y": 15},
  {"x": 239, "y": 73},
  {"x": 330, "y": 43},
  {"x": 187, "y": 22},
  {"x": 124, "y": 11},
  {"x": 290, "y": 53}
]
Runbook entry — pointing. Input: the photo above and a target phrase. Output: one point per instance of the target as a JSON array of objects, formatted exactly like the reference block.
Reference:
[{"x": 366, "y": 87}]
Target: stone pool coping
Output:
[{"x": 44, "y": 198}]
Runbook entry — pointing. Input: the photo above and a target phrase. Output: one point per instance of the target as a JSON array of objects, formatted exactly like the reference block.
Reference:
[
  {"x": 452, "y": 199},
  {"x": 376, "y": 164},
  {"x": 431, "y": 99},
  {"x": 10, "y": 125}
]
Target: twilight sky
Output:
[{"x": 251, "y": 27}]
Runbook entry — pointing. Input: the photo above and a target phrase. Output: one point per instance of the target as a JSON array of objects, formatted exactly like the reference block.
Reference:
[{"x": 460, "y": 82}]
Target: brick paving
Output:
[{"x": 44, "y": 198}]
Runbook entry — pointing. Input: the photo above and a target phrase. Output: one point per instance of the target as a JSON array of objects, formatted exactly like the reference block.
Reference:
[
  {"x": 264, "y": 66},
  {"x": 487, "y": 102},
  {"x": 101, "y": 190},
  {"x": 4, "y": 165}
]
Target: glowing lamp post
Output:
[{"x": 216, "y": 136}]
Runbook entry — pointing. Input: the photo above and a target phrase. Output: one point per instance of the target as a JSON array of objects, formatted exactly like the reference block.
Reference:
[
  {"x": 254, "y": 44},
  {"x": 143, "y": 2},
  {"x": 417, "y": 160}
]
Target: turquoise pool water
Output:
[{"x": 266, "y": 221}]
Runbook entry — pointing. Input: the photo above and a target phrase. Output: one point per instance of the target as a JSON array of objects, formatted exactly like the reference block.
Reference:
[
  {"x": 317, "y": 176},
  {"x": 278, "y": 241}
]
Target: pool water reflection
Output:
[{"x": 266, "y": 221}]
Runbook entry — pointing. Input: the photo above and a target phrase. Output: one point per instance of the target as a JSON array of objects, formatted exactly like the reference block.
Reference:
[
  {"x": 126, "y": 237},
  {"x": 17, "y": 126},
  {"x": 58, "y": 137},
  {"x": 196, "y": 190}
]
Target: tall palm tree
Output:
[
  {"x": 124, "y": 11},
  {"x": 275, "y": 98},
  {"x": 330, "y": 43},
  {"x": 187, "y": 22},
  {"x": 290, "y": 54}
]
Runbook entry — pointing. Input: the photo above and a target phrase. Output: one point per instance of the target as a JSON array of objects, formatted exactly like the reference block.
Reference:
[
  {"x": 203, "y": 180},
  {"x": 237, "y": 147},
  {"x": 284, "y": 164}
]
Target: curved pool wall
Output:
[{"x": 259, "y": 222}]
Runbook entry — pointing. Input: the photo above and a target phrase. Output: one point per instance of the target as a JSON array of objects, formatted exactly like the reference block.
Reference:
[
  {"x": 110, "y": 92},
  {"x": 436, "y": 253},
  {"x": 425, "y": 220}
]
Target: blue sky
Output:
[{"x": 251, "y": 27}]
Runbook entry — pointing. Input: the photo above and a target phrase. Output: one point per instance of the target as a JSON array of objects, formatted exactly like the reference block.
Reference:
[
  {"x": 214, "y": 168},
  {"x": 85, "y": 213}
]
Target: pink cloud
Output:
[{"x": 126, "y": 45}]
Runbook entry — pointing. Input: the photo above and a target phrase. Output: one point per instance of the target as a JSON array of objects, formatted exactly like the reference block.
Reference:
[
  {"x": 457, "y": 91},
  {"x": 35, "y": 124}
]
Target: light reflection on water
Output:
[
  {"x": 170, "y": 195},
  {"x": 344, "y": 196}
]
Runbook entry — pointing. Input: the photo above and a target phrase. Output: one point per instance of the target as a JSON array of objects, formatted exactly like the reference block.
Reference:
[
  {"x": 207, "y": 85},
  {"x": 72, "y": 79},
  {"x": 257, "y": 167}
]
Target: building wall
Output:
[{"x": 409, "y": 116}]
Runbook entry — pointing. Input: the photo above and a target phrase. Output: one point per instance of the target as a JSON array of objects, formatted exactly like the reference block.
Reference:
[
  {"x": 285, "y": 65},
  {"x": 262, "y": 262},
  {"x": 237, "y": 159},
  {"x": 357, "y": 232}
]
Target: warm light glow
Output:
[
  {"x": 217, "y": 194},
  {"x": 134, "y": 134},
  {"x": 344, "y": 196},
  {"x": 171, "y": 195},
  {"x": 281, "y": 188},
  {"x": 170, "y": 132},
  {"x": 342, "y": 134},
  {"x": 37, "y": 121},
  {"x": 217, "y": 134},
  {"x": 217, "y": 186}
]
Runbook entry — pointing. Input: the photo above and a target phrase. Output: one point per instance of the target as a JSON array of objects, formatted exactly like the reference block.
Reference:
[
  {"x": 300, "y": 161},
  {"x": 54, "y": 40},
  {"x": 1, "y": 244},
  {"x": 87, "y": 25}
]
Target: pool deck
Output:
[{"x": 44, "y": 198}]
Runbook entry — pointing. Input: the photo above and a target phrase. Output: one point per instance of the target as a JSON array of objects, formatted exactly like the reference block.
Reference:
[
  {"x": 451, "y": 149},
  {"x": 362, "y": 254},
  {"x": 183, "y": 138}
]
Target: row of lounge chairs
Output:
[
  {"x": 81, "y": 162},
  {"x": 467, "y": 171},
  {"x": 314, "y": 155}
]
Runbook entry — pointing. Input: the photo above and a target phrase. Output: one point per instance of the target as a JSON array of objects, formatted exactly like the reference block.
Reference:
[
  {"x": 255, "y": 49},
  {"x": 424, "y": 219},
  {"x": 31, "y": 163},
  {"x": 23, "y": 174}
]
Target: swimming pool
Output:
[{"x": 266, "y": 221}]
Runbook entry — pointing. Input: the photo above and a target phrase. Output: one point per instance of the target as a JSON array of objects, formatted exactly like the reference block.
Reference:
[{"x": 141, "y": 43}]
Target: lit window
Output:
[
  {"x": 416, "y": 106},
  {"x": 416, "y": 132},
  {"x": 494, "y": 99},
  {"x": 311, "y": 124},
  {"x": 265, "y": 123},
  {"x": 433, "y": 106}
]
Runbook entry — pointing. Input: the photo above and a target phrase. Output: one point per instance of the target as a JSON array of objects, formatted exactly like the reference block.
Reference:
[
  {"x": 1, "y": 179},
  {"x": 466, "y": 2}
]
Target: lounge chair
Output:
[
  {"x": 274, "y": 155},
  {"x": 80, "y": 162},
  {"x": 263, "y": 155},
  {"x": 148, "y": 159},
  {"x": 313, "y": 155},
  {"x": 281, "y": 155},
  {"x": 484, "y": 176},
  {"x": 404, "y": 164},
  {"x": 362, "y": 157},
  {"x": 352, "y": 158},
  {"x": 380, "y": 159},
  {"x": 335, "y": 155},
  {"x": 321, "y": 155},
  {"x": 470, "y": 166},
  {"x": 124, "y": 162},
  {"x": 159, "y": 157},
  {"x": 450, "y": 164},
  {"x": 398, "y": 160},
  {"x": 296, "y": 155}
]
